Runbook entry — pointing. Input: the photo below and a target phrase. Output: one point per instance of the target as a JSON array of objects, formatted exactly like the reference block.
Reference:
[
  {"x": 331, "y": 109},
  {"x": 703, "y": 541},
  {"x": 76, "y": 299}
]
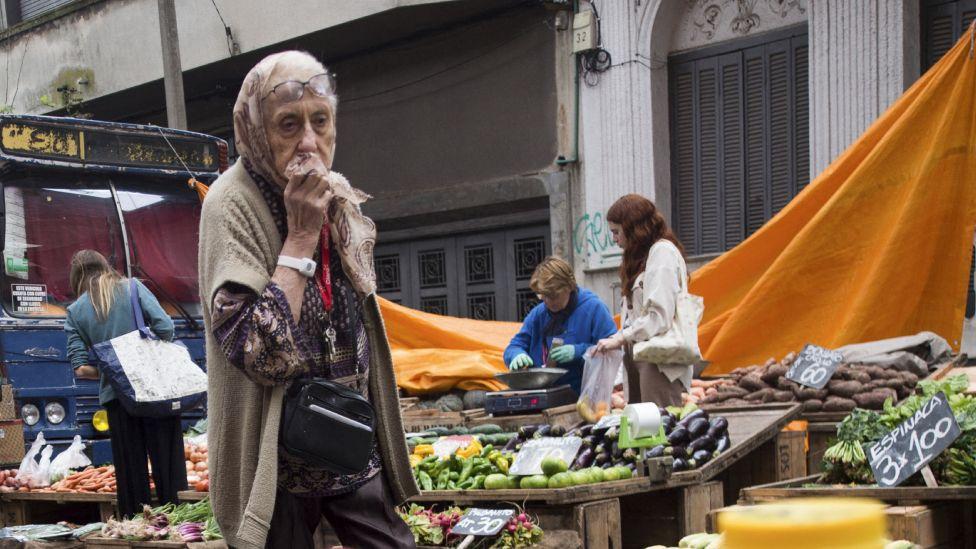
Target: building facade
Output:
[{"x": 487, "y": 142}]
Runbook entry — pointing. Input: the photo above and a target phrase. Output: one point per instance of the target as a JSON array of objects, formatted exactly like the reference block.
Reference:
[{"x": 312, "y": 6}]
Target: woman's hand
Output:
[
  {"x": 86, "y": 372},
  {"x": 610, "y": 344},
  {"x": 307, "y": 198}
]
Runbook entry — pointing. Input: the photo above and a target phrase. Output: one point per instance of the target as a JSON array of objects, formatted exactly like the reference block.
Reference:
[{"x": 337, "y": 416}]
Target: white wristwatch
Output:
[{"x": 303, "y": 265}]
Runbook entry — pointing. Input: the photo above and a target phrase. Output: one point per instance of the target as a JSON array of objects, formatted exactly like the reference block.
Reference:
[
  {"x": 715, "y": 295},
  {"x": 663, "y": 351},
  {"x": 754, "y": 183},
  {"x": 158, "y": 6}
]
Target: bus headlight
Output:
[
  {"x": 54, "y": 412},
  {"x": 100, "y": 421},
  {"x": 30, "y": 414}
]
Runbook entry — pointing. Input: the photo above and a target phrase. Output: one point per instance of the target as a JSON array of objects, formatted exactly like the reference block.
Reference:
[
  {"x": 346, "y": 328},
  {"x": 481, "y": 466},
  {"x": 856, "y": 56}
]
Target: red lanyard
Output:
[{"x": 324, "y": 274}]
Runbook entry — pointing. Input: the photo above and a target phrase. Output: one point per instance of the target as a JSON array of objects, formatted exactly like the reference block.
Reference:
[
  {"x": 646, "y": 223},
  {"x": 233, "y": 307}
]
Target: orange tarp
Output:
[
  {"x": 877, "y": 246},
  {"x": 434, "y": 353}
]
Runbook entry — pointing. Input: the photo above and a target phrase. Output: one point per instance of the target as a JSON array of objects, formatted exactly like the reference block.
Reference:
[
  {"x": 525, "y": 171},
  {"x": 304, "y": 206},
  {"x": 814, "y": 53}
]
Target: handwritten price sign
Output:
[
  {"x": 814, "y": 366},
  {"x": 482, "y": 522},
  {"x": 529, "y": 459},
  {"x": 914, "y": 443}
]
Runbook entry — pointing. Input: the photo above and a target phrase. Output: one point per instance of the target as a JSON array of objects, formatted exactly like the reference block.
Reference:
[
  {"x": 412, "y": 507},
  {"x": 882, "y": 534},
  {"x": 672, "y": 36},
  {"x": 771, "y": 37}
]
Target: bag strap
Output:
[{"x": 137, "y": 308}]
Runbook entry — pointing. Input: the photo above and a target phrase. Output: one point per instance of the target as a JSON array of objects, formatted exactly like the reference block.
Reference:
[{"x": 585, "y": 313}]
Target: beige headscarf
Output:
[{"x": 353, "y": 234}]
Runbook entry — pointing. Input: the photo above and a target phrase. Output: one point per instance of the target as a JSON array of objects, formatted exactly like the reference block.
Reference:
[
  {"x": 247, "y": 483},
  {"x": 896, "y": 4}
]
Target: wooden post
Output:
[{"x": 172, "y": 68}]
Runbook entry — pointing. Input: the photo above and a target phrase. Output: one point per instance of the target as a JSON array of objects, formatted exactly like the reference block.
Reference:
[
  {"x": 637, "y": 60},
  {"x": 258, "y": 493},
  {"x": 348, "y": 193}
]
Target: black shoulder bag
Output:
[{"x": 328, "y": 425}]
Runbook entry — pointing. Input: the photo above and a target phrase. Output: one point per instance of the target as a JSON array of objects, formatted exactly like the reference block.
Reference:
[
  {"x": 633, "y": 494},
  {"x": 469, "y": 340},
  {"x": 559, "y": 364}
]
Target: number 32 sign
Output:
[{"x": 914, "y": 443}]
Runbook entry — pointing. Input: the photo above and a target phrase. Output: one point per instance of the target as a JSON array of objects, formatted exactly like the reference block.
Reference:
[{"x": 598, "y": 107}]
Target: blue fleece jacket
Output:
[{"x": 589, "y": 323}]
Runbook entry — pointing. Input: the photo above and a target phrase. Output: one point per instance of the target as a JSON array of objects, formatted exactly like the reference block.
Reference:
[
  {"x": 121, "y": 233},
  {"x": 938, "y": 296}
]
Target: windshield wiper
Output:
[{"x": 185, "y": 315}]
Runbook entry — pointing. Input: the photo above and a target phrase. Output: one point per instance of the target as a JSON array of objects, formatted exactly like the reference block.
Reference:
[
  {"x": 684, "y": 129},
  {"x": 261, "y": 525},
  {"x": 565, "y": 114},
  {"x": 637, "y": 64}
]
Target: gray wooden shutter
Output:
[
  {"x": 943, "y": 22},
  {"x": 34, "y": 8},
  {"x": 739, "y": 137}
]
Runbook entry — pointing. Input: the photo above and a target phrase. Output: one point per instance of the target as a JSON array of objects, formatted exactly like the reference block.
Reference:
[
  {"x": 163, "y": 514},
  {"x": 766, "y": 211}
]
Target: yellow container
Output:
[{"x": 837, "y": 523}]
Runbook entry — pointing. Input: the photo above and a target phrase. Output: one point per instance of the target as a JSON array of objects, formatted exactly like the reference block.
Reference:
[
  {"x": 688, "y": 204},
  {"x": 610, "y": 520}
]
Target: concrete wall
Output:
[
  {"x": 863, "y": 55},
  {"x": 114, "y": 45}
]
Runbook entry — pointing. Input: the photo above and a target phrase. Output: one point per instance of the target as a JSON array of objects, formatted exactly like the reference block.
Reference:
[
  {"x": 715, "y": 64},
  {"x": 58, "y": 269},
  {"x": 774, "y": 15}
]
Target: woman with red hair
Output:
[{"x": 651, "y": 277}]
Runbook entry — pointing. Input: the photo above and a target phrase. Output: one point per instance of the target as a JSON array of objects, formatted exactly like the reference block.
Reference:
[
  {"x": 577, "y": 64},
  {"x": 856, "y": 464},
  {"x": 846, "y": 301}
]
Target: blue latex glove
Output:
[
  {"x": 522, "y": 360},
  {"x": 563, "y": 354}
]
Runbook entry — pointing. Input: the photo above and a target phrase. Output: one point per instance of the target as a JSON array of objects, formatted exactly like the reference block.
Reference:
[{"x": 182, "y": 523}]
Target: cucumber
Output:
[
  {"x": 439, "y": 431},
  {"x": 486, "y": 429}
]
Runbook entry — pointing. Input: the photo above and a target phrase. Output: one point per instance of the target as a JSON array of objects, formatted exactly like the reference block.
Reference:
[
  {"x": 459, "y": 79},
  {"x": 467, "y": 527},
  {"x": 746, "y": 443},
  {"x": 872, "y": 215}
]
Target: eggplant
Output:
[
  {"x": 679, "y": 465},
  {"x": 557, "y": 431},
  {"x": 542, "y": 431},
  {"x": 702, "y": 456},
  {"x": 590, "y": 441},
  {"x": 526, "y": 431},
  {"x": 678, "y": 452},
  {"x": 678, "y": 436},
  {"x": 602, "y": 457},
  {"x": 600, "y": 448},
  {"x": 693, "y": 416},
  {"x": 723, "y": 443},
  {"x": 703, "y": 442},
  {"x": 630, "y": 455},
  {"x": 616, "y": 451},
  {"x": 612, "y": 434},
  {"x": 512, "y": 443},
  {"x": 586, "y": 430},
  {"x": 718, "y": 427},
  {"x": 668, "y": 423},
  {"x": 584, "y": 459},
  {"x": 663, "y": 411},
  {"x": 607, "y": 465},
  {"x": 692, "y": 463},
  {"x": 697, "y": 427},
  {"x": 656, "y": 451}
]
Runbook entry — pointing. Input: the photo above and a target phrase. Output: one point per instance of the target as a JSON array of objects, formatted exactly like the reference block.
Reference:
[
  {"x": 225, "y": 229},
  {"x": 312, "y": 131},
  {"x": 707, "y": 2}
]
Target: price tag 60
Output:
[{"x": 814, "y": 366}]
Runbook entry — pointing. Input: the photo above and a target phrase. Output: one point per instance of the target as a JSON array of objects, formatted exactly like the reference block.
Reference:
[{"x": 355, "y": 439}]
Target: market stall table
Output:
[{"x": 21, "y": 508}]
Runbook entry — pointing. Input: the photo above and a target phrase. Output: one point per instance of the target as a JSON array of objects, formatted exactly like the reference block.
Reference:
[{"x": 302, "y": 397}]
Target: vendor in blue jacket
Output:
[{"x": 567, "y": 312}]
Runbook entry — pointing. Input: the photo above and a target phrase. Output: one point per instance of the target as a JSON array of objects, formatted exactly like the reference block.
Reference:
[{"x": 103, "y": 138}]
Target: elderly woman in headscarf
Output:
[{"x": 287, "y": 283}]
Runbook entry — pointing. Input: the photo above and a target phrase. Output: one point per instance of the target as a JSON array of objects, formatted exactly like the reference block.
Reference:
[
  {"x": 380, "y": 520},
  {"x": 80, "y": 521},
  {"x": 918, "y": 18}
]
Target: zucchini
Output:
[{"x": 486, "y": 429}]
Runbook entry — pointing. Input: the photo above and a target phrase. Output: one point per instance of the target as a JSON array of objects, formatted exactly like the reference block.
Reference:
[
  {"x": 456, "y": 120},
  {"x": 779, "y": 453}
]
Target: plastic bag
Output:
[
  {"x": 42, "y": 477},
  {"x": 599, "y": 374},
  {"x": 28, "y": 465},
  {"x": 72, "y": 458}
]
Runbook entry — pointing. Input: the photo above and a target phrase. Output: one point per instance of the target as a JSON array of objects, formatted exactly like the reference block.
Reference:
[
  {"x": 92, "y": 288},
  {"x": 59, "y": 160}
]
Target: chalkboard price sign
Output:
[
  {"x": 914, "y": 443},
  {"x": 482, "y": 522},
  {"x": 814, "y": 366}
]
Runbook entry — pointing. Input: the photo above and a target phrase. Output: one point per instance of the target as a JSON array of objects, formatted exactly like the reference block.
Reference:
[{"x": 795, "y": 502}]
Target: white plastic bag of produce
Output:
[
  {"x": 42, "y": 477},
  {"x": 599, "y": 374},
  {"x": 72, "y": 458},
  {"x": 28, "y": 466}
]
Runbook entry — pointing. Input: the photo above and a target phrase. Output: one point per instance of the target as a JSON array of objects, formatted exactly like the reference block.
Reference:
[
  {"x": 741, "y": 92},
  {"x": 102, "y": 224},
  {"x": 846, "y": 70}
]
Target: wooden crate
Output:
[
  {"x": 98, "y": 542},
  {"x": 939, "y": 525},
  {"x": 564, "y": 416},
  {"x": 20, "y": 508},
  {"x": 791, "y": 455},
  {"x": 664, "y": 517},
  {"x": 906, "y": 495},
  {"x": 416, "y": 421},
  {"x": 820, "y": 435}
]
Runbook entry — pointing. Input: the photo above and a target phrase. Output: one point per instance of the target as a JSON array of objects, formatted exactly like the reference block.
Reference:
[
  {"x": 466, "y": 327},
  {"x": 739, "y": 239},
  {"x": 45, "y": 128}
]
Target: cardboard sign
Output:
[
  {"x": 28, "y": 298},
  {"x": 814, "y": 366},
  {"x": 914, "y": 443},
  {"x": 482, "y": 522},
  {"x": 529, "y": 459}
]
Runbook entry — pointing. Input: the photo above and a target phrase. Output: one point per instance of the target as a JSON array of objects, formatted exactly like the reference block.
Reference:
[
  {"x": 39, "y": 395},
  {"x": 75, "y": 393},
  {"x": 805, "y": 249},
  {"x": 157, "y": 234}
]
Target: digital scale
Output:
[{"x": 520, "y": 401}]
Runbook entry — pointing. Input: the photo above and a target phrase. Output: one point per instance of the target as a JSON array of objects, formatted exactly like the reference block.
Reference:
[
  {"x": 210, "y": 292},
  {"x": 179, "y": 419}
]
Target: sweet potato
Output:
[
  {"x": 762, "y": 395},
  {"x": 736, "y": 402},
  {"x": 753, "y": 383},
  {"x": 784, "y": 384},
  {"x": 838, "y": 404},
  {"x": 812, "y": 405},
  {"x": 843, "y": 372},
  {"x": 782, "y": 396},
  {"x": 733, "y": 390},
  {"x": 845, "y": 389},
  {"x": 876, "y": 372},
  {"x": 804, "y": 393},
  {"x": 773, "y": 374},
  {"x": 909, "y": 378},
  {"x": 875, "y": 399},
  {"x": 904, "y": 391},
  {"x": 859, "y": 375}
]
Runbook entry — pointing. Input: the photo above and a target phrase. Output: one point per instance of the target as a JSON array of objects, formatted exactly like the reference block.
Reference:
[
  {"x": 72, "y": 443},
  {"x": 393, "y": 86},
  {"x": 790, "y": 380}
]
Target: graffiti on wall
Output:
[{"x": 591, "y": 234}]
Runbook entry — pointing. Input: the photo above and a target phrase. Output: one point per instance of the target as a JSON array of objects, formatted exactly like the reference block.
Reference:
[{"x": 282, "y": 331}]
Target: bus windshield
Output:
[{"x": 49, "y": 217}]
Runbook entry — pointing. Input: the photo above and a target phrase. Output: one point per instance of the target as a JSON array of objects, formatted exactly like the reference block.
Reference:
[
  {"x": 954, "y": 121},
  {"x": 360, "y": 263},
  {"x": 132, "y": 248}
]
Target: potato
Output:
[
  {"x": 773, "y": 374},
  {"x": 812, "y": 405},
  {"x": 845, "y": 389},
  {"x": 838, "y": 404},
  {"x": 753, "y": 382}
]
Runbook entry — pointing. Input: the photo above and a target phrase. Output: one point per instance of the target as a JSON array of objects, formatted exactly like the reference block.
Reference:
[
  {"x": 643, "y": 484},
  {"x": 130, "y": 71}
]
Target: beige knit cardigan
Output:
[{"x": 239, "y": 243}]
